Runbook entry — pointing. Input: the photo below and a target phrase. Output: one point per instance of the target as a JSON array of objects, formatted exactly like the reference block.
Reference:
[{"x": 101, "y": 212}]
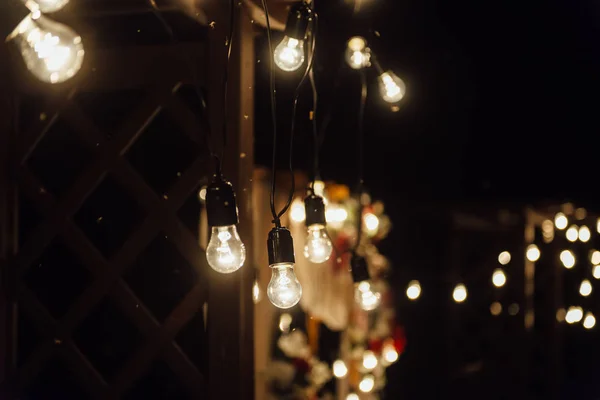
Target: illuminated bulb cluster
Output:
[
  {"x": 390, "y": 355},
  {"x": 584, "y": 234},
  {"x": 358, "y": 55},
  {"x": 589, "y": 321},
  {"x": 256, "y": 292}
]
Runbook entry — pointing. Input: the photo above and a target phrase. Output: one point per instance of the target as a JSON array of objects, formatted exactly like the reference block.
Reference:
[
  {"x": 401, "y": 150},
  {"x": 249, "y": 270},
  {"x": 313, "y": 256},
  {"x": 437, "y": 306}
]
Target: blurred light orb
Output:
[
  {"x": 297, "y": 211},
  {"x": 574, "y": 314},
  {"x": 533, "y": 253},
  {"x": 499, "y": 278},
  {"x": 460, "y": 293},
  {"x": 352, "y": 396},
  {"x": 560, "y": 221},
  {"x": 596, "y": 271},
  {"x": 585, "y": 289},
  {"x": 371, "y": 222},
  {"x": 504, "y": 258},
  {"x": 567, "y": 258},
  {"x": 584, "y": 234},
  {"x": 369, "y": 360},
  {"x": 414, "y": 290},
  {"x": 513, "y": 309},
  {"x": 589, "y": 321},
  {"x": 595, "y": 257},
  {"x": 339, "y": 369},
  {"x": 390, "y": 355},
  {"x": 561, "y": 313},
  {"x": 572, "y": 233},
  {"x": 367, "y": 384},
  {"x": 496, "y": 308}
]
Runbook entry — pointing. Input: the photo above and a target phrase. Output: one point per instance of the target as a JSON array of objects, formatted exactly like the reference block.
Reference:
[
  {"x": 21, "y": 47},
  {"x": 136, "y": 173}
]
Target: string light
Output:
[
  {"x": 392, "y": 88},
  {"x": 560, "y": 221},
  {"x": 369, "y": 360},
  {"x": 45, "y": 6},
  {"x": 504, "y": 258},
  {"x": 297, "y": 212},
  {"x": 584, "y": 233},
  {"x": 495, "y": 308},
  {"x": 567, "y": 258},
  {"x": 367, "y": 384},
  {"x": 52, "y": 52},
  {"x": 498, "y": 278},
  {"x": 339, "y": 369},
  {"x": 284, "y": 289},
  {"x": 358, "y": 55},
  {"x": 460, "y": 293},
  {"x": 289, "y": 54},
  {"x": 574, "y": 314},
  {"x": 352, "y": 396},
  {"x": 318, "y": 246},
  {"x": 572, "y": 233},
  {"x": 585, "y": 289},
  {"x": 365, "y": 295},
  {"x": 589, "y": 321},
  {"x": 533, "y": 253},
  {"x": 596, "y": 271},
  {"x": 413, "y": 291},
  {"x": 390, "y": 355}
]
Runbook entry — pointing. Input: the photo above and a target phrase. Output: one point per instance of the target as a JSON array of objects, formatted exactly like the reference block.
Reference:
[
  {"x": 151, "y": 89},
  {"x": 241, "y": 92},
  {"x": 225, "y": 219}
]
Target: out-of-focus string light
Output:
[
  {"x": 585, "y": 289},
  {"x": 596, "y": 271},
  {"x": 358, "y": 55},
  {"x": 504, "y": 258},
  {"x": 367, "y": 384},
  {"x": 256, "y": 292},
  {"x": 574, "y": 314},
  {"x": 413, "y": 291},
  {"x": 297, "y": 212},
  {"x": 560, "y": 221},
  {"x": 533, "y": 253},
  {"x": 584, "y": 234},
  {"x": 289, "y": 54},
  {"x": 595, "y": 257},
  {"x": 340, "y": 369},
  {"x": 567, "y": 258},
  {"x": 371, "y": 223},
  {"x": 460, "y": 293},
  {"x": 390, "y": 355},
  {"x": 369, "y": 360},
  {"x": 495, "y": 308},
  {"x": 561, "y": 314},
  {"x": 572, "y": 233},
  {"x": 589, "y": 321},
  {"x": 499, "y": 278}
]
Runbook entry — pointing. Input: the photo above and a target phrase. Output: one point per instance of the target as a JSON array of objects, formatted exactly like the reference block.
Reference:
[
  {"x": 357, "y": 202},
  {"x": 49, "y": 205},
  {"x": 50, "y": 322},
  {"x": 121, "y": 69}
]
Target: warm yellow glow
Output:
[
  {"x": 596, "y": 271},
  {"x": 548, "y": 231},
  {"x": 567, "y": 258},
  {"x": 369, "y": 360},
  {"x": 585, "y": 289},
  {"x": 339, "y": 369},
  {"x": 285, "y": 320},
  {"x": 45, "y": 6},
  {"x": 595, "y": 257},
  {"x": 575, "y": 314},
  {"x": 598, "y": 225},
  {"x": 498, "y": 278},
  {"x": 367, "y": 384},
  {"x": 256, "y": 293},
  {"x": 390, "y": 355},
  {"x": 560, "y": 221},
  {"x": 297, "y": 211},
  {"x": 496, "y": 308},
  {"x": 202, "y": 194},
  {"x": 504, "y": 258},
  {"x": 584, "y": 233},
  {"x": 533, "y": 253},
  {"x": 352, "y": 396},
  {"x": 336, "y": 215},
  {"x": 460, "y": 293},
  {"x": 572, "y": 233},
  {"x": 371, "y": 223},
  {"x": 414, "y": 290},
  {"x": 392, "y": 88},
  {"x": 319, "y": 188},
  {"x": 561, "y": 313},
  {"x": 590, "y": 321}
]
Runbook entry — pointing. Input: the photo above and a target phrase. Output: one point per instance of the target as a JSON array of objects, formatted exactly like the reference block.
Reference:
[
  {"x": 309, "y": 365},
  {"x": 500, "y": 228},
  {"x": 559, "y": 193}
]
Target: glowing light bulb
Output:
[
  {"x": 392, "y": 88},
  {"x": 357, "y": 53},
  {"x": 585, "y": 289},
  {"x": 256, "y": 292},
  {"x": 390, "y": 355},
  {"x": 318, "y": 246},
  {"x": 590, "y": 321},
  {"x": 225, "y": 251},
  {"x": 367, "y": 384},
  {"x": 460, "y": 293},
  {"x": 584, "y": 234},
  {"x": 297, "y": 212},
  {"x": 289, "y": 54},
  {"x": 45, "y": 6},
  {"x": 285, "y": 321},
  {"x": 336, "y": 215},
  {"x": 533, "y": 253},
  {"x": 352, "y": 396},
  {"x": 560, "y": 221},
  {"x": 414, "y": 290},
  {"x": 369, "y": 360},
  {"x": 52, "y": 52},
  {"x": 284, "y": 290},
  {"x": 595, "y": 257},
  {"x": 574, "y": 314},
  {"x": 498, "y": 278},
  {"x": 339, "y": 369},
  {"x": 567, "y": 258},
  {"x": 371, "y": 223},
  {"x": 596, "y": 271},
  {"x": 504, "y": 258},
  {"x": 572, "y": 233},
  {"x": 367, "y": 298}
]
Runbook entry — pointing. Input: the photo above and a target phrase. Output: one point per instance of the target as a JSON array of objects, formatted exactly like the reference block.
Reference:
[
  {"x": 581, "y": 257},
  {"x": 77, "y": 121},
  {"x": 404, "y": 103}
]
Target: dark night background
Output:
[{"x": 500, "y": 108}]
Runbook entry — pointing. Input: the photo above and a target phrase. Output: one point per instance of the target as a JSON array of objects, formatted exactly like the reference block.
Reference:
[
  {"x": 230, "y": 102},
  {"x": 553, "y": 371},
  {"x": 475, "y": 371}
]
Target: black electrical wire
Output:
[
  {"x": 360, "y": 136},
  {"x": 209, "y": 133}
]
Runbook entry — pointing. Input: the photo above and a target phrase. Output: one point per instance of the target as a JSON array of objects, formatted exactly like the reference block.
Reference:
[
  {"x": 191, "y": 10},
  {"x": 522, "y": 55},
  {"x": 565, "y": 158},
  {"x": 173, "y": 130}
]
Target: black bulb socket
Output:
[
  {"x": 280, "y": 246},
  {"x": 359, "y": 269},
  {"x": 314, "y": 207},
  {"x": 298, "y": 20},
  {"x": 221, "y": 206},
  {"x": 12, "y": 12}
]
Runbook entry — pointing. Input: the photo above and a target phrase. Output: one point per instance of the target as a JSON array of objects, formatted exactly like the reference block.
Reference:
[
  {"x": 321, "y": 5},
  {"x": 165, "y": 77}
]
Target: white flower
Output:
[{"x": 294, "y": 345}]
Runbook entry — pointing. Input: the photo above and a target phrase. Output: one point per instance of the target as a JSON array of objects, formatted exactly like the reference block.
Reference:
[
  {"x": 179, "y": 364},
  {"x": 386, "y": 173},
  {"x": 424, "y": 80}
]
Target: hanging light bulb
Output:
[
  {"x": 284, "y": 290},
  {"x": 52, "y": 52},
  {"x": 364, "y": 294},
  {"x": 225, "y": 252},
  {"x": 392, "y": 88},
  {"x": 318, "y": 246},
  {"x": 45, "y": 6},
  {"x": 358, "y": 55},
  {"x": 289, "y": 54}
]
